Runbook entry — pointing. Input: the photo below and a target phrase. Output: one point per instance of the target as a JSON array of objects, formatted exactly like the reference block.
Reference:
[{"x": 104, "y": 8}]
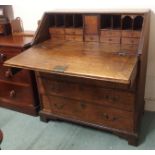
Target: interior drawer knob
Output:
[
  {"x": 12, "y": 93},
  {"x": 3, "y": 57},
  {"x": 8, "y": 74}
]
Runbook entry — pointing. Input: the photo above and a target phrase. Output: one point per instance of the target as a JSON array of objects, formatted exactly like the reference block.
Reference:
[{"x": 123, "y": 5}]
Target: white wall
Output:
[{"x": 31, "y": 11}]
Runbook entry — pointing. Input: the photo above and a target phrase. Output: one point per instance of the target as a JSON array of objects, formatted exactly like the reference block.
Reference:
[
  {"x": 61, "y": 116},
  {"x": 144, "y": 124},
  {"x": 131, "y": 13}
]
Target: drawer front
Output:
[
  {"x": 78, "y": 31},
  {"x": 131, "y": 34},
  {"x": 74, "y": 37},
  {"x": 16, "y": 94},
  {"x": 69, "y": 31},
  {"x": 92, "y": 38},
  {"x": 70, "y": 37},
  {"x": 21, "y": 77},
  {"x": 7, "y": 53},
  {"x": 5, "y": 73},
  {"x": 90, "y": 113},
  {"x": 103, "y": 96},
  {"x": 111, "y": 33},
  {"x": 57, "y": 37},
  {"x": 131, "y": 41},
  {"x": 130, "y": 48},
  {"x": 110, "y": 40},
  {"x": 74, "y": 31},
  {"x": 57, "y": 30},
  {"x": 78, "y": 38}
]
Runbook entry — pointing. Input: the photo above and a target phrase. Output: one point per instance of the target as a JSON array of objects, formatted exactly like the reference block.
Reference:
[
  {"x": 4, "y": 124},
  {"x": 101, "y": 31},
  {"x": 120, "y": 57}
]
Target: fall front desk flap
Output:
[{"x": 83, "y": 59}]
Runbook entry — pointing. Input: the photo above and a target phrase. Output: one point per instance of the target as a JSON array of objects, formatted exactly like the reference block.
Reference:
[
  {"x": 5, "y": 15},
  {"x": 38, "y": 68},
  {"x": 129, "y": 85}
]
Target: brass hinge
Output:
[{"x": 60, "y": 68}]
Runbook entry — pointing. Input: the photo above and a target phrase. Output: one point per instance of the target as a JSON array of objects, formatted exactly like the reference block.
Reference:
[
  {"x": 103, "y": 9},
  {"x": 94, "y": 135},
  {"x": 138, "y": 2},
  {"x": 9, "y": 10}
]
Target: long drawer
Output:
[
  {"x": 89, "y": 112},
  {"x": 103, "y": 96},
  {"x": 16, "y": 94},
  {"x": 110, "y": 40}
]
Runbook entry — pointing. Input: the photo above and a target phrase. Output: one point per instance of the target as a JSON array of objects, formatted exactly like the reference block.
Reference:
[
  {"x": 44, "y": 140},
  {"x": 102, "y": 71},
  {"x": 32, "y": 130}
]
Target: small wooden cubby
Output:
[
  {"x": 67, "y": 27},
  {"x": 123, "y": 29}
]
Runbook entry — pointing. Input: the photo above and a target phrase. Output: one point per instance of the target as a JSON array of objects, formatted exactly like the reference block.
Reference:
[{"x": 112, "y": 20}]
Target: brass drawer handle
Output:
[
  {"x": 12, "y": 93},
  {"x": 112, "y": 98},
  {"x": 83, "y": 105},
  {"x": 8, "y": 74},
  {"x": 115, "y": 98},
  {"x": 59, "y": 106},
  {"x": 106, "y": 117},
  {"x": 3, "y": 57}
]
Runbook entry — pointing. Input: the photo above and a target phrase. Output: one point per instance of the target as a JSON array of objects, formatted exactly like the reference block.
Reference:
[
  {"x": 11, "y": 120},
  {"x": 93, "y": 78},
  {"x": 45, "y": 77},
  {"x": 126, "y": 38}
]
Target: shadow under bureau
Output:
[
  {"x": 91, "y": 68},
  {"x": 17, "y": 89}
]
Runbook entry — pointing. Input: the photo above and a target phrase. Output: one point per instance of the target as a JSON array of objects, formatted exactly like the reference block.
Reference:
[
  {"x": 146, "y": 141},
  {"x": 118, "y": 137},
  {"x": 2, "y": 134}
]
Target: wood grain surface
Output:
[{"x": 94, "y": 60}]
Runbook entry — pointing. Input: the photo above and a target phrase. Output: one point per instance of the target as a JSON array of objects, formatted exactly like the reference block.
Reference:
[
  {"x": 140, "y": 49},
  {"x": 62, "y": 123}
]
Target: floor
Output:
[{"x": 26, "y": 132}]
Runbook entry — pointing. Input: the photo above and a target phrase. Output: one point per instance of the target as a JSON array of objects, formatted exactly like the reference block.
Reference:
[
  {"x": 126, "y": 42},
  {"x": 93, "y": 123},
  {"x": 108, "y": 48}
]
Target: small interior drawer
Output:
[
  {"x": 78, "y": 38},
  {"x": 110, "y": 39},
  {"x": 74, "y": 37},
  {"x": 91, "y": 38},
  {"x": 57, "y": 30},
  {"x": 70, "y": 37},
  {"x": 131, "y": 33},
  {"x": 129, "y": 47},
  {"x": 57, "y": 37},
  {"x": 74, "y": 31},
  {"x": 69, "y": 31},
  {"x": 79, "y": 31},
  {"x": 111, "y": 33},
  {"x": 131, "y": 41}
]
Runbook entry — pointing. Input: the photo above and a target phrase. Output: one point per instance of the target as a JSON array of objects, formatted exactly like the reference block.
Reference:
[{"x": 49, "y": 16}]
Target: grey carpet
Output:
[{"x": 26, "y": 132}]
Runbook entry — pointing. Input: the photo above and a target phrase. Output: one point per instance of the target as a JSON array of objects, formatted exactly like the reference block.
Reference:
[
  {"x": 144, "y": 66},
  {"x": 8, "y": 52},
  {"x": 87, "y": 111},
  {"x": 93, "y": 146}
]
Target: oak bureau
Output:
[{"x": 90, "y": 68}]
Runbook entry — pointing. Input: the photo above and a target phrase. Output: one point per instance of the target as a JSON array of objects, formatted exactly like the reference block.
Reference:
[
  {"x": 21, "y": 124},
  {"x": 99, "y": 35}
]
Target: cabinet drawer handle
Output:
[
  {"x": 112, "y": 98},
  {"x": 83, "y": 105},
  {"x": 3, "y": 57},
  {"x": 115, "y": 98},
  {"x": 8, "y": 74},
  {"x": 105, "y": 116},
  {"x": 59, "y": 106},
  {"x": 12, "y": 93}
]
